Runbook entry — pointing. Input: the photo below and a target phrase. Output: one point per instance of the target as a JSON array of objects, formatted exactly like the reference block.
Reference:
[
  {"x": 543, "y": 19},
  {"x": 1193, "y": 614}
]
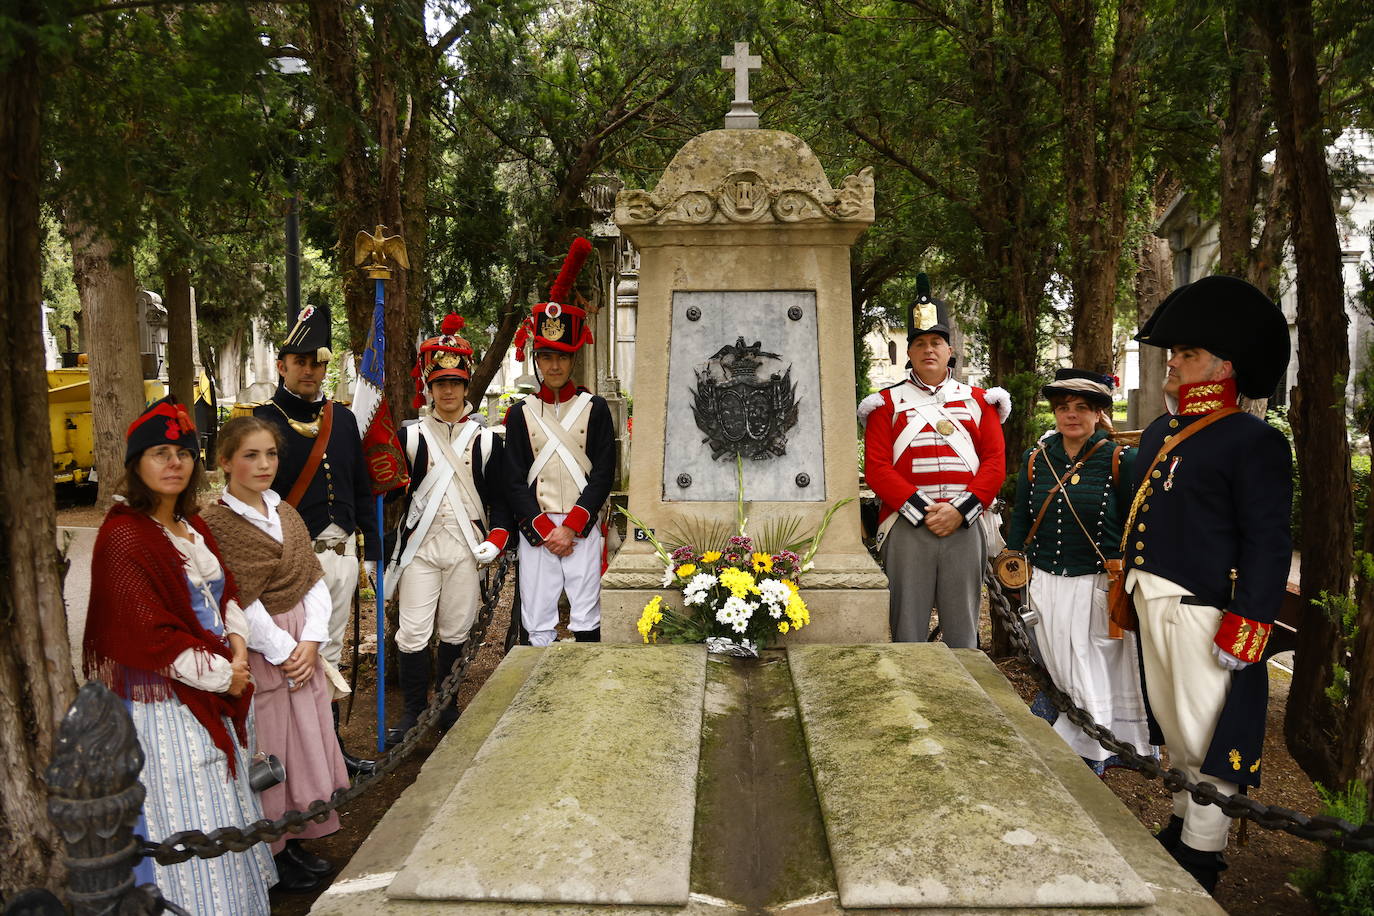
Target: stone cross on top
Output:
[{"x": 741, "y": 114}]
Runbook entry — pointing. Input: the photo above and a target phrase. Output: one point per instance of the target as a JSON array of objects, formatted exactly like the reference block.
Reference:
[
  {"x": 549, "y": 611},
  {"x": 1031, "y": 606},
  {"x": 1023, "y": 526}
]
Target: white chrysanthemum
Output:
[
  {"x": 738, "y": 607},
  {"x": 773, "y": 592}
]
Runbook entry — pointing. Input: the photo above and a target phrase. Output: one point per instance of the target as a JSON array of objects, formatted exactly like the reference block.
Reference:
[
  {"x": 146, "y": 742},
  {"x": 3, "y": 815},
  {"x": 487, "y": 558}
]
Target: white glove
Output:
[
  {"x": 486, "y": 552},
  {"x": 1227, "y": 660},
  {"x": 370, "y": 570}
]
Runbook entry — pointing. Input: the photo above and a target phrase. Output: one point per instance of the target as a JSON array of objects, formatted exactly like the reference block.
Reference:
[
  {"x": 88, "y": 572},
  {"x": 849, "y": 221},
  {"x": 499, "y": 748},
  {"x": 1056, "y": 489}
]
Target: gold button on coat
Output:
[{"x": 1139, "y": 561}]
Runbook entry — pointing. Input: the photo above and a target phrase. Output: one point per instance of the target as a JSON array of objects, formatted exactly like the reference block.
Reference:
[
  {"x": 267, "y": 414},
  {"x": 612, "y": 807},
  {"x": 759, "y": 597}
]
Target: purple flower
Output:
[{"x": 684, "y": 554}]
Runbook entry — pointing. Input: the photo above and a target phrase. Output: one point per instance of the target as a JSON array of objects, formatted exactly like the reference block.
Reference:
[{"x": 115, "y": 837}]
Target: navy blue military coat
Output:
[{"x": 1214, "y": 518}]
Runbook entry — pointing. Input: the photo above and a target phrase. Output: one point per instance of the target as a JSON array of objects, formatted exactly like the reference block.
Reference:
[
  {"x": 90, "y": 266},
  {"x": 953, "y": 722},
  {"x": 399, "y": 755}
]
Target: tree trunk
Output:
[
  {"x": 36, "y": 683},
  {"x": 1312, "y": 725},
  {"x": 110, "y": 319},
  {"x": 1359, "y": 738},
  {"x": 1153, "y": 283},
  {"x": 1099, "y": 153},
  {"x": 1244, "y": 131},
  {"x": 181, "y": 369}
]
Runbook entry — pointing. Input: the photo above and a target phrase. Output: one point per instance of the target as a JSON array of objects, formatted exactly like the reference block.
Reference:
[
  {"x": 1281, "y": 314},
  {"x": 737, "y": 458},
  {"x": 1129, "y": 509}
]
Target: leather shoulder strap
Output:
[
  {"x": 312, "y": 463},
  {"x": 1164, "y": 450},
  {"x": 1059, "y": 483}
]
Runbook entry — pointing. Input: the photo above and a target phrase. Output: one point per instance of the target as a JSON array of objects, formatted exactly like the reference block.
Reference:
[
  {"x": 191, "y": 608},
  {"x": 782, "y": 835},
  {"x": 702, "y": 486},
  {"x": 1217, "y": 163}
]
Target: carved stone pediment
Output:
[{"x": 736, "y": 176}]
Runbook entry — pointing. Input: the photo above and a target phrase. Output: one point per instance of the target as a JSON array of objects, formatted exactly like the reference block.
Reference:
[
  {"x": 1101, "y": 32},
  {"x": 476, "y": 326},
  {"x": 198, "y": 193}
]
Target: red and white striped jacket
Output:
[{"x": 928, "y": 467}]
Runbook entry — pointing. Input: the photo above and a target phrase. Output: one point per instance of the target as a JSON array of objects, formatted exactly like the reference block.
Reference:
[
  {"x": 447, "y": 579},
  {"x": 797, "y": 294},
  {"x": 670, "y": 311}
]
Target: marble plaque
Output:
[{"x": 744, "y": 379}]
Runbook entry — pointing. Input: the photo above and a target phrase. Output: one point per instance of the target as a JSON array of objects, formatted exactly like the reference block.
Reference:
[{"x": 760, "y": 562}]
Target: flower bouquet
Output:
[{"x": 738, "y": 595}]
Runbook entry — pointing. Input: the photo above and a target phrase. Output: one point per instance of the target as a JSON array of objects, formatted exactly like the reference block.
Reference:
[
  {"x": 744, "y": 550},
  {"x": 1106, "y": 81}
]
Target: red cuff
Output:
[
  {"x": 577, "y": 519},
  {"x": 497, "y": 537},
  {"x": 1243, "y": 638},
  {"x": 544, "y": 525}
]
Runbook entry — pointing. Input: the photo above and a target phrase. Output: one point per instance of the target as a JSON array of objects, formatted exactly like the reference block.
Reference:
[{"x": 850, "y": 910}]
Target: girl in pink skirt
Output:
[{"x": 281, "y": 588}]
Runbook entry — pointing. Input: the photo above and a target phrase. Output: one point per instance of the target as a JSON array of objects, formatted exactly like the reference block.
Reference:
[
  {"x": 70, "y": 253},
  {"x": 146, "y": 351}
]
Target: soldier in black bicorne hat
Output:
[
  {"x": 1208, "y": 549},
  {"x": 325, "y": 481}
]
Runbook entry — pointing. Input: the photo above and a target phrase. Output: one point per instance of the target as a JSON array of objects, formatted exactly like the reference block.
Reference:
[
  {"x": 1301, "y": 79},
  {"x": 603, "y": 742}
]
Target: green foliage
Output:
[{"x": 1343, "y": 883}]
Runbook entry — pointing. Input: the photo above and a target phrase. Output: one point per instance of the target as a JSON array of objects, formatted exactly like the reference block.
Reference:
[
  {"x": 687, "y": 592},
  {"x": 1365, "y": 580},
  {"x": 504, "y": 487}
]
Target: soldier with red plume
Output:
[{"x": 560, "y": 464}]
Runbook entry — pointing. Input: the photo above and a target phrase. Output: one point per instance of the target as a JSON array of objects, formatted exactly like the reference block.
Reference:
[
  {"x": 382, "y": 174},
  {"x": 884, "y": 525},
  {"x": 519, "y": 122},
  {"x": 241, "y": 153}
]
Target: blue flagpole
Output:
[{"x": 380, "y": 585}]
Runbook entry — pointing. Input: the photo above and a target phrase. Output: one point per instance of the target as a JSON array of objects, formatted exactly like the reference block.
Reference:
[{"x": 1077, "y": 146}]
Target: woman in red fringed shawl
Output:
[{"x": 165, "y": 632}]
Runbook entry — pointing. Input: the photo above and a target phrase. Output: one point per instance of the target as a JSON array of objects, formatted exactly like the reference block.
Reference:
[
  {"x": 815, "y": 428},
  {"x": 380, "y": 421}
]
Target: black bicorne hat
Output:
[
  {"x": 926, "y": 315},
  {"x": 165, "y": 422},
  {"x": 310, "y": 334},
  {"x": 1233, "y": 320},
  {"x": 1093, "y": 387}
]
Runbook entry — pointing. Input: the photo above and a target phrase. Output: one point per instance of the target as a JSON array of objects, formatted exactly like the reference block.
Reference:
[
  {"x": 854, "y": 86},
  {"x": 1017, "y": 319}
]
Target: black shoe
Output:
[
  {"x": 1205, "y": 867},
  {"x": 587, "y": 635},
  {"x": 1171, "y": 833},
  {"x": 412, "y": 672},
  {"x": 448, "y": 656},
  {"x": 292, "y": 879},
  {"x": 307, "y": 860},
  {"x": 356, "y": 766}
]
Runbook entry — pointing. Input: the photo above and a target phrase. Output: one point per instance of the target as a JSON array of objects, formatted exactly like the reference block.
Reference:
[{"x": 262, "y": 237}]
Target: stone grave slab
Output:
[
  {"x": 583, "y": 793},
  {"x": 985, "y": 823}
]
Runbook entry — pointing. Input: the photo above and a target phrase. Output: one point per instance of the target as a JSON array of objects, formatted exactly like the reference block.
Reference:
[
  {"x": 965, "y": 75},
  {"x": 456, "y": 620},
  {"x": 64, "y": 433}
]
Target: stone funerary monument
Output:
[
  {"x": 596, "y": 779},
  {"x": 745, "y": 347}
]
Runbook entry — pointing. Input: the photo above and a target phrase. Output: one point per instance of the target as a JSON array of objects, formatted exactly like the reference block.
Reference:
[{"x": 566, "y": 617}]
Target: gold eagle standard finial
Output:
[{"x": 376, "y": 249}]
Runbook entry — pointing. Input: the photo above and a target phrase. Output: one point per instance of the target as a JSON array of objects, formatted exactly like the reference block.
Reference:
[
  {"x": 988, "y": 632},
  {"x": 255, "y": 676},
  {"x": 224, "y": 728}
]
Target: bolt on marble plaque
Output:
[{"x": 744, "y": 379}]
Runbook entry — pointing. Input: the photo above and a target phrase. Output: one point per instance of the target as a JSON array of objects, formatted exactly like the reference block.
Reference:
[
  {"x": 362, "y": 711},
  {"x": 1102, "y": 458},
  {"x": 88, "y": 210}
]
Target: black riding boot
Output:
[
  {"x": 412, "y": 673},
  {"x": 587, "y": 635},
  {"x": 1205, "y": 867},
  {"x": 1169, "y": 836},
  {"x": 356, "y": 766},
  {"x": 448, "y": 656}
]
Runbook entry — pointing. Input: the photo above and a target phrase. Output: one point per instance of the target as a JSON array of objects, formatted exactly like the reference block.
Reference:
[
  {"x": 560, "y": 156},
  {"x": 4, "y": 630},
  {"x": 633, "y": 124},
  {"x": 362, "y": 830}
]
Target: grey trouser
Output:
[{"x": 924, "y": 571}]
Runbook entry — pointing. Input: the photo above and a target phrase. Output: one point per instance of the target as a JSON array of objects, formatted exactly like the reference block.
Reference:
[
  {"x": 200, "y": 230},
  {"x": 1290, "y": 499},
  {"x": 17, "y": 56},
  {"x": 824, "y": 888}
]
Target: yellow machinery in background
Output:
[{"x": 69, "y": 419}]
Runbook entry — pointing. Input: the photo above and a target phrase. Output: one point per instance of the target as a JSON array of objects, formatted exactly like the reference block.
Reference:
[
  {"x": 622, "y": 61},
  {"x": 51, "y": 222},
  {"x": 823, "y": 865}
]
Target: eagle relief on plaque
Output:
[
  {"x": 745, "y": 402},
  {"x": 743, "y": 380}
]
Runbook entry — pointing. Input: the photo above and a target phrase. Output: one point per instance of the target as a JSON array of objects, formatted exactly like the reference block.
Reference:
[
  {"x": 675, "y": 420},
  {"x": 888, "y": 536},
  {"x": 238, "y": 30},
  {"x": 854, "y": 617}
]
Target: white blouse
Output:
[
  {"x": 196, "y": 667},
  {"x": 275, "y": 644}
]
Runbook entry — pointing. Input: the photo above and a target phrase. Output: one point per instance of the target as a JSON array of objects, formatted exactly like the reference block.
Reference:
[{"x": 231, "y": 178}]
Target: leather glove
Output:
[
  {"x": 1227, "y": 660},
  {"x": 486, "y": 552}
]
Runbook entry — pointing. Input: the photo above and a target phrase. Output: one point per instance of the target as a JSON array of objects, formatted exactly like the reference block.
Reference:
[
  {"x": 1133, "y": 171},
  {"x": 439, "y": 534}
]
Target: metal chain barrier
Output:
[
  {"x": 1332, "y": 831},
  {"x": 187, "y": 844}
]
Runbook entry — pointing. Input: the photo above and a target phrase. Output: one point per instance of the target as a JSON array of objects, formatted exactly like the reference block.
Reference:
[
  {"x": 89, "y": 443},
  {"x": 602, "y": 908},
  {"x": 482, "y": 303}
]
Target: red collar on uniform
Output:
[
  {"x": 549, "y": 396},
  {"x": 1206, "y": 397}
]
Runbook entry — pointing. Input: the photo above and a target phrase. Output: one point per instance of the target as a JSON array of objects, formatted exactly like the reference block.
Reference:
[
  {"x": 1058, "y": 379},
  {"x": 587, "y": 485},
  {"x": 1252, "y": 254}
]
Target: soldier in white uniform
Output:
[
  {"x": 455, "y": 519},
  {"x": 560, "y": 463}
]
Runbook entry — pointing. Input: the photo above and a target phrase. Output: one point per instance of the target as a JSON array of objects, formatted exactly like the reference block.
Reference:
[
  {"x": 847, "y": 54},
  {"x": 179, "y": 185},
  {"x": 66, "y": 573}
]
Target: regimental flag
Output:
[{"x": 381, "y": 447}]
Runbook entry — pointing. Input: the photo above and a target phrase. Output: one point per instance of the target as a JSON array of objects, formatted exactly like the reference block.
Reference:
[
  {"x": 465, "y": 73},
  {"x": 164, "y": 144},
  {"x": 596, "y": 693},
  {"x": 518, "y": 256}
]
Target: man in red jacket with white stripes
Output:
[{"x": 934, "y": 455}]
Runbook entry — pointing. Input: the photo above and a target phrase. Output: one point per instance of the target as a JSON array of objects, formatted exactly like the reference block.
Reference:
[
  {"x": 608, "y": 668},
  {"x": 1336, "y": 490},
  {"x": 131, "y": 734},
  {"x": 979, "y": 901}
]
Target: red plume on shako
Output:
[
  {"x": 445, "y": 356},
  {"x": 556, "y": 325}
]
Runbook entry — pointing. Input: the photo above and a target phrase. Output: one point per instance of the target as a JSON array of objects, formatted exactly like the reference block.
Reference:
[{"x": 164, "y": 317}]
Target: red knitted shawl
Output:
[{"x": 141, "y": 619}]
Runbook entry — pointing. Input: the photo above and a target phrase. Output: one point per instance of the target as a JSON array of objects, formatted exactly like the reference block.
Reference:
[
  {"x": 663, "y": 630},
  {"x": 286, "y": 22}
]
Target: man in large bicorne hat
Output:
[
  {"x": 934, "y": 455},
  {"x": 321, "y": 472},
  {"x": 560, "y": 465},
  {"x": 454, "y": 519},
  {"x": 1208, "y": 548}
]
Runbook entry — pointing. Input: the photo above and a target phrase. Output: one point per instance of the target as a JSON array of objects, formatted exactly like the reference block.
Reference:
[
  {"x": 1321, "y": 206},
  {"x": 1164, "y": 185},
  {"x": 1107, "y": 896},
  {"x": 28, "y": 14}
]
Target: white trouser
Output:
[
  {"x": 543, "y": 577},
  {"x": 341, "y": 577},
  {"x": 440, "y": 581},
  {"x": 1187, "y": 689}
]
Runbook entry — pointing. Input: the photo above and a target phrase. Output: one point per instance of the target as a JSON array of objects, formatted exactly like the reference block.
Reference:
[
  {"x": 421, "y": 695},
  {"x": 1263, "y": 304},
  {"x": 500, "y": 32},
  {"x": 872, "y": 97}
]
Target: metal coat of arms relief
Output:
[{"x": 740, "y": 410}]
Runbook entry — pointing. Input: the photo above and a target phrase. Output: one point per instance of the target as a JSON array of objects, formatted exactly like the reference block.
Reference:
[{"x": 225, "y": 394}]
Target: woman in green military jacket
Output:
[{"x": 1071, "y": 499}]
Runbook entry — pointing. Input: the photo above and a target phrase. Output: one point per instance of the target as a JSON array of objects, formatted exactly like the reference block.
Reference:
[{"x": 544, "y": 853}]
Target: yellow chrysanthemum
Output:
[
  {"x": 782, "y": 626},
  {"x": 763, "y": 562},
  {"x": 686, "y": 570},
  {"x": 710, "y": 556},
  {"x": 739, "y": 582},
  {"x": 797, "y": 612},
  {"x": 652, "y": 616}
]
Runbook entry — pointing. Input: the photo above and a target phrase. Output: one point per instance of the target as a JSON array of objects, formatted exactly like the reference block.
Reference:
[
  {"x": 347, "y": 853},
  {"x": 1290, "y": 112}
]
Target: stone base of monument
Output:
[
  {"x": 846, "y": 593},
  {"x": 589, "y": 779}
]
